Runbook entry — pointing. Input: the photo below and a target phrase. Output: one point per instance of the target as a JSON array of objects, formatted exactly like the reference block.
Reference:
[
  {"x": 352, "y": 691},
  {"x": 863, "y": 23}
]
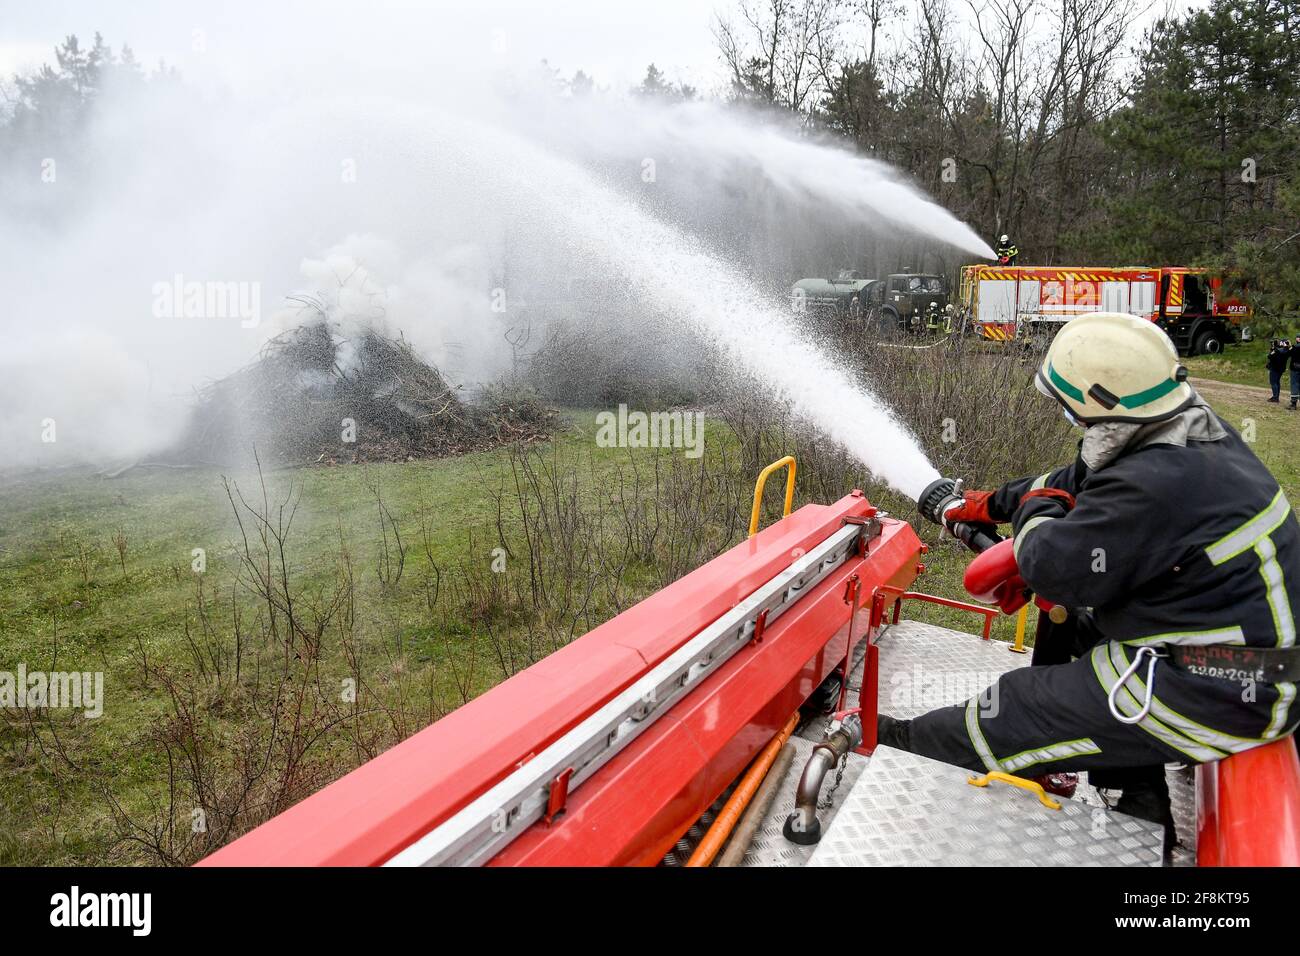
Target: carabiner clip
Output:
[{"x": 1153, "y": 655}]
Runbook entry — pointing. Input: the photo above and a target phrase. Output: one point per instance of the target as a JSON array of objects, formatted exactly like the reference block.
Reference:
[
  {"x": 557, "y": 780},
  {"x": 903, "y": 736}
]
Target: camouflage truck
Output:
[
  {"x": 908, "y": 302},
  {"x": 845, "y": 295}
]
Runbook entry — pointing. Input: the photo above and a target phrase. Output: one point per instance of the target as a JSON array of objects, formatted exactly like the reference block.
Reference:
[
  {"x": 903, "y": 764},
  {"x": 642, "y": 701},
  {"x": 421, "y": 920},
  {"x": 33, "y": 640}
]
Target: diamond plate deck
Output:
[
  {"x": 923, "y": 666},
  {"x": 1182, "y": 797},
  {"x": 908, "y": 810},
  {"x": 770, "y": 847}
]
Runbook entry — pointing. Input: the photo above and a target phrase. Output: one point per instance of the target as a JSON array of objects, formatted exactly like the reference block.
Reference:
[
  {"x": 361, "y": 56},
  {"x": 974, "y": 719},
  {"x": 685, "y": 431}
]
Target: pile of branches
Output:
[{"x": 319, "y": 395}]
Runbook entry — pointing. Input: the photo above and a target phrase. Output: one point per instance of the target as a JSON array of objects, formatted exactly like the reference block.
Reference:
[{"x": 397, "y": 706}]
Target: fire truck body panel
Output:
[
  {"x": 646, "y": 739},
  {"x": 1004, "y": 303}
]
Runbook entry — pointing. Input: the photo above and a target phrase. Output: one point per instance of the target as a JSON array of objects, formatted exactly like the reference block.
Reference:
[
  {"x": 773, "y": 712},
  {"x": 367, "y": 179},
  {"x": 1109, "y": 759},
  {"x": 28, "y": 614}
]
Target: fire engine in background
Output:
[{"x": 1002, "y": 303}]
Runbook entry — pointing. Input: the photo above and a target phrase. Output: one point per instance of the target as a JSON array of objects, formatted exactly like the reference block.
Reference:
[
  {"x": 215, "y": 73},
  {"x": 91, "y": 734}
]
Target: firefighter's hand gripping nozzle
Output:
[{"x": 940, "y": 496}]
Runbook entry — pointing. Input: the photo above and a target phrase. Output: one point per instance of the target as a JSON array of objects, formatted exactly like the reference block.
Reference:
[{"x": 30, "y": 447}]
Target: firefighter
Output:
[
  {"x": 1165, "y": 536},
  {"x": 1295, "y": 373},
  {"x": 1007, "y": 251},
  {"x": 1279, "y": 357}
]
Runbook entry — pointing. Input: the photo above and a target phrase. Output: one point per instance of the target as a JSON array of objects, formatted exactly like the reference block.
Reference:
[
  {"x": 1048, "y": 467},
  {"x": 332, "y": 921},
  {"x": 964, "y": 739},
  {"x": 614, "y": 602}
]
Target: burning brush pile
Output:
[{"x": 319, "y": 395}]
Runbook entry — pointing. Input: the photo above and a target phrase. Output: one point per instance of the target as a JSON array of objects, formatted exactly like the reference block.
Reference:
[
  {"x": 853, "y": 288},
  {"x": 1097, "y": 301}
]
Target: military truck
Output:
[
  {"x": 844, "y": 295},
  {"x": 907, "y": 302}
]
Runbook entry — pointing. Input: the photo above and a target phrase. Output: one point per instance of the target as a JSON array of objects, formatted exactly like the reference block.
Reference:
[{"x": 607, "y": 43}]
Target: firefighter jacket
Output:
[
  {"x": 1278, "y": 359},
  {"x": 1167, "y": 542},
  {"x": 1171, "y": 543}
]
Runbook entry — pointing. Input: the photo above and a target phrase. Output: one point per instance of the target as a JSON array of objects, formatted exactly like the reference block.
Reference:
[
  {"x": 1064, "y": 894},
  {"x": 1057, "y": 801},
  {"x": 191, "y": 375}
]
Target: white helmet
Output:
[
  {"x": 1004, "y": 238},
  {"x": 1114, "y": 367}
]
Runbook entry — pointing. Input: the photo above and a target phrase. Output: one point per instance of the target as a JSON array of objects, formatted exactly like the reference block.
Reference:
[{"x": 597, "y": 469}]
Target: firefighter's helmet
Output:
[
  {"x": 1004, "y": 238},
  {"x": 1114, "y": 367}
]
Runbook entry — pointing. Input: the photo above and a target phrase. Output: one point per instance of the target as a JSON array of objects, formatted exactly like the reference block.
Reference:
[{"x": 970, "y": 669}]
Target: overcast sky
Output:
[
  {"x": 232, "y": 39},
  {"x": 611, "y": 39}
]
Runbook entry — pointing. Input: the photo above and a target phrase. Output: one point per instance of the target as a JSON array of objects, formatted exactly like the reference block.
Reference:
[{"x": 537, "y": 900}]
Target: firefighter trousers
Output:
[
  {"x": 1056, "y": 717},
  {"x": 1033, "y": 721}
]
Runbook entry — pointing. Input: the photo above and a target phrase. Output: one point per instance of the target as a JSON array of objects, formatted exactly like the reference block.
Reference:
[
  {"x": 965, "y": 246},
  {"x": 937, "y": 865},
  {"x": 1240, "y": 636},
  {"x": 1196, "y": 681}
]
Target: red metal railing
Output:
[{"x": 989, "y": 613}]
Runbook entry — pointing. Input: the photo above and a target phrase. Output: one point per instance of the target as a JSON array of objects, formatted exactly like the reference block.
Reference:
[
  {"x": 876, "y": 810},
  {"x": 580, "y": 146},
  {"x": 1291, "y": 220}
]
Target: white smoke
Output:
[
  {"x": 436, "y": 303},
  {"x": 437, "y": 212}
]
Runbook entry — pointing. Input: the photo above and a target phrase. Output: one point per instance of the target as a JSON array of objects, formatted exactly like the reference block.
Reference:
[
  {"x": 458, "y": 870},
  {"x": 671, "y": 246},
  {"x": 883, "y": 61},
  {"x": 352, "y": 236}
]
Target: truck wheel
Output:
[
  {"x": 889, "y": 322},
  {"x": 1209, "y": 342}
]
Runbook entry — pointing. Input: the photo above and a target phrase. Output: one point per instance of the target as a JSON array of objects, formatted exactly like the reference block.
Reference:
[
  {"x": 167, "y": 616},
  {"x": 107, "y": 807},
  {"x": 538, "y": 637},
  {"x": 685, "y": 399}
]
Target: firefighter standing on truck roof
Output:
[
  {"x": 1007, "y": 251},
  {"x": 1165, "y": 535}
]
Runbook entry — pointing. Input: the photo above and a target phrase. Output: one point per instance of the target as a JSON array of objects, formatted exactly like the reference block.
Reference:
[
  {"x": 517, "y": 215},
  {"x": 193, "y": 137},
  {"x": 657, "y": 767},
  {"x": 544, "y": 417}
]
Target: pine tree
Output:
[{"x": 1207, "y": 153}]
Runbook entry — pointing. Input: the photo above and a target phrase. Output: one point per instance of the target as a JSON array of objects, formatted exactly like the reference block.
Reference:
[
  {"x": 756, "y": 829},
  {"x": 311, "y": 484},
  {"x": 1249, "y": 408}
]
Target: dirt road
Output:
[{"x": 1234, "y": 392}]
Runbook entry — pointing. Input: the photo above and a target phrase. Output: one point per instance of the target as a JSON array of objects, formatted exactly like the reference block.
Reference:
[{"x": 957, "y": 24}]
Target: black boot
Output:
[{"x": 1149, "y": 800}]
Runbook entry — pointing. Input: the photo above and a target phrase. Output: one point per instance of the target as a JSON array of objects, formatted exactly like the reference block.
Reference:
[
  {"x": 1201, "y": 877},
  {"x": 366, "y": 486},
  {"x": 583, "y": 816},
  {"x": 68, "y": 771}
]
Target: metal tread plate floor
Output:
[
  {"x": 770, "y": 847},
  {"x": 923, "y": 666},
  {"x": 908, "y": 810}
]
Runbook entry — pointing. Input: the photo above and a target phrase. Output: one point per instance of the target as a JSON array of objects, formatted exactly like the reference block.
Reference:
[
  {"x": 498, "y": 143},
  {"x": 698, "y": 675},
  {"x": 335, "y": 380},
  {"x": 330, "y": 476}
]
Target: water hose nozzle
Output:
[
  {"x": 937, "y": 497},
  {"x": 940, "y": 495}
]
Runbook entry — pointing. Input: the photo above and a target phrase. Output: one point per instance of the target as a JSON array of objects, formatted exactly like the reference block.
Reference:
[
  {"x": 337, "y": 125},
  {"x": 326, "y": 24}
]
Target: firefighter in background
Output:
[
  {"x": 1166, "y": 534},
  {"x": 1279, "y": 358},
  {"x": 1295, "y": 373},
  {"x": 1007, "y": 251}
]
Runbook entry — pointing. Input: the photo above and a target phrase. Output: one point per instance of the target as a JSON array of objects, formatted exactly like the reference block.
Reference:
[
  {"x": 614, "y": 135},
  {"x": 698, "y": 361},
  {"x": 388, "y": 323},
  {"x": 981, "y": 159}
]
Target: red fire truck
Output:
[{"x": 1002, "y": 303}]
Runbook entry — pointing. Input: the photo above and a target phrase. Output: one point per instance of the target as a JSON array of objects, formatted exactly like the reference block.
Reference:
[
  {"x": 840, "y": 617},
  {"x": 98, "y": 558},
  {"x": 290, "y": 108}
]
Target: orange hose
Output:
[{"x": 740, "y": 797}]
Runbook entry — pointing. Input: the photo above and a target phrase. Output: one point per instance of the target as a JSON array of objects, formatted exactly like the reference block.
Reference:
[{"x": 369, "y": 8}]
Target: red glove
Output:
[{"x": 974, "y": 509}]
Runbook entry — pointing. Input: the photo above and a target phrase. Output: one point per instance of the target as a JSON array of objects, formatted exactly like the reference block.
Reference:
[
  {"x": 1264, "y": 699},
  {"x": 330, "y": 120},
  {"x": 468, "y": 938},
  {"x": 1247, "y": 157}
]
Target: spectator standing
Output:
[
  {"x": 1279, "y": 357},
  {"x": 1295, "y": 373}
]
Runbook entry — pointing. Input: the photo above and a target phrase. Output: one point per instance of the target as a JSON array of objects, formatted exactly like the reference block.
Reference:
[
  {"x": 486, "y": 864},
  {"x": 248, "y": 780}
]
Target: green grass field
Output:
[
  {"x": 69, "y": 599},
  {"x": 1241, "y": 364}
]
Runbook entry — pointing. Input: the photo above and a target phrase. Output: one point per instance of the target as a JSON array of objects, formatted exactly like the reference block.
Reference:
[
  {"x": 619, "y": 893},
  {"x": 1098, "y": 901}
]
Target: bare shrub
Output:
[
  {"x": 252, "y": 707},
  {"x": 119, "y": 542},
  {"x": 973, "y": 407},
  {"x": 647, "y": 364},
  {"x": 391, "y": 560}
]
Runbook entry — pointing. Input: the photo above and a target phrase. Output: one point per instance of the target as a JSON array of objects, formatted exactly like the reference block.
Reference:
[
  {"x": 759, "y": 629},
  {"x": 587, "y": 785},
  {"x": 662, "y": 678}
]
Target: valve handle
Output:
[
  {"x": 993, "y": 577},
  {"x": 1021, "y": 782}
]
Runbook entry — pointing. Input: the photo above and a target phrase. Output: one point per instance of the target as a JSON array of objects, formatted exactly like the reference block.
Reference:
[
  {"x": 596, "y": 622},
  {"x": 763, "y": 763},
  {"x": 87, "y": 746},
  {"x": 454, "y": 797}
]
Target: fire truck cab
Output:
[{"x": 1002, "y": 304}]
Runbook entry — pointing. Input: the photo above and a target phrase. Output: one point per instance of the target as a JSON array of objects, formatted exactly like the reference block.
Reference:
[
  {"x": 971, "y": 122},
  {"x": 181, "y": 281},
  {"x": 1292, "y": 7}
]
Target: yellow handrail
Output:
[
  {"x": 1019, "y": 645},
  {"x": 762, "y": 480}
]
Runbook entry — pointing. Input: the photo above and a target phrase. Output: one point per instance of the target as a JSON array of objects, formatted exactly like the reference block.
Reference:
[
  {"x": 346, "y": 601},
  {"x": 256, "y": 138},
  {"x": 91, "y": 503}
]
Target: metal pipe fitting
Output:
[{"x": 802, "y": 826}]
